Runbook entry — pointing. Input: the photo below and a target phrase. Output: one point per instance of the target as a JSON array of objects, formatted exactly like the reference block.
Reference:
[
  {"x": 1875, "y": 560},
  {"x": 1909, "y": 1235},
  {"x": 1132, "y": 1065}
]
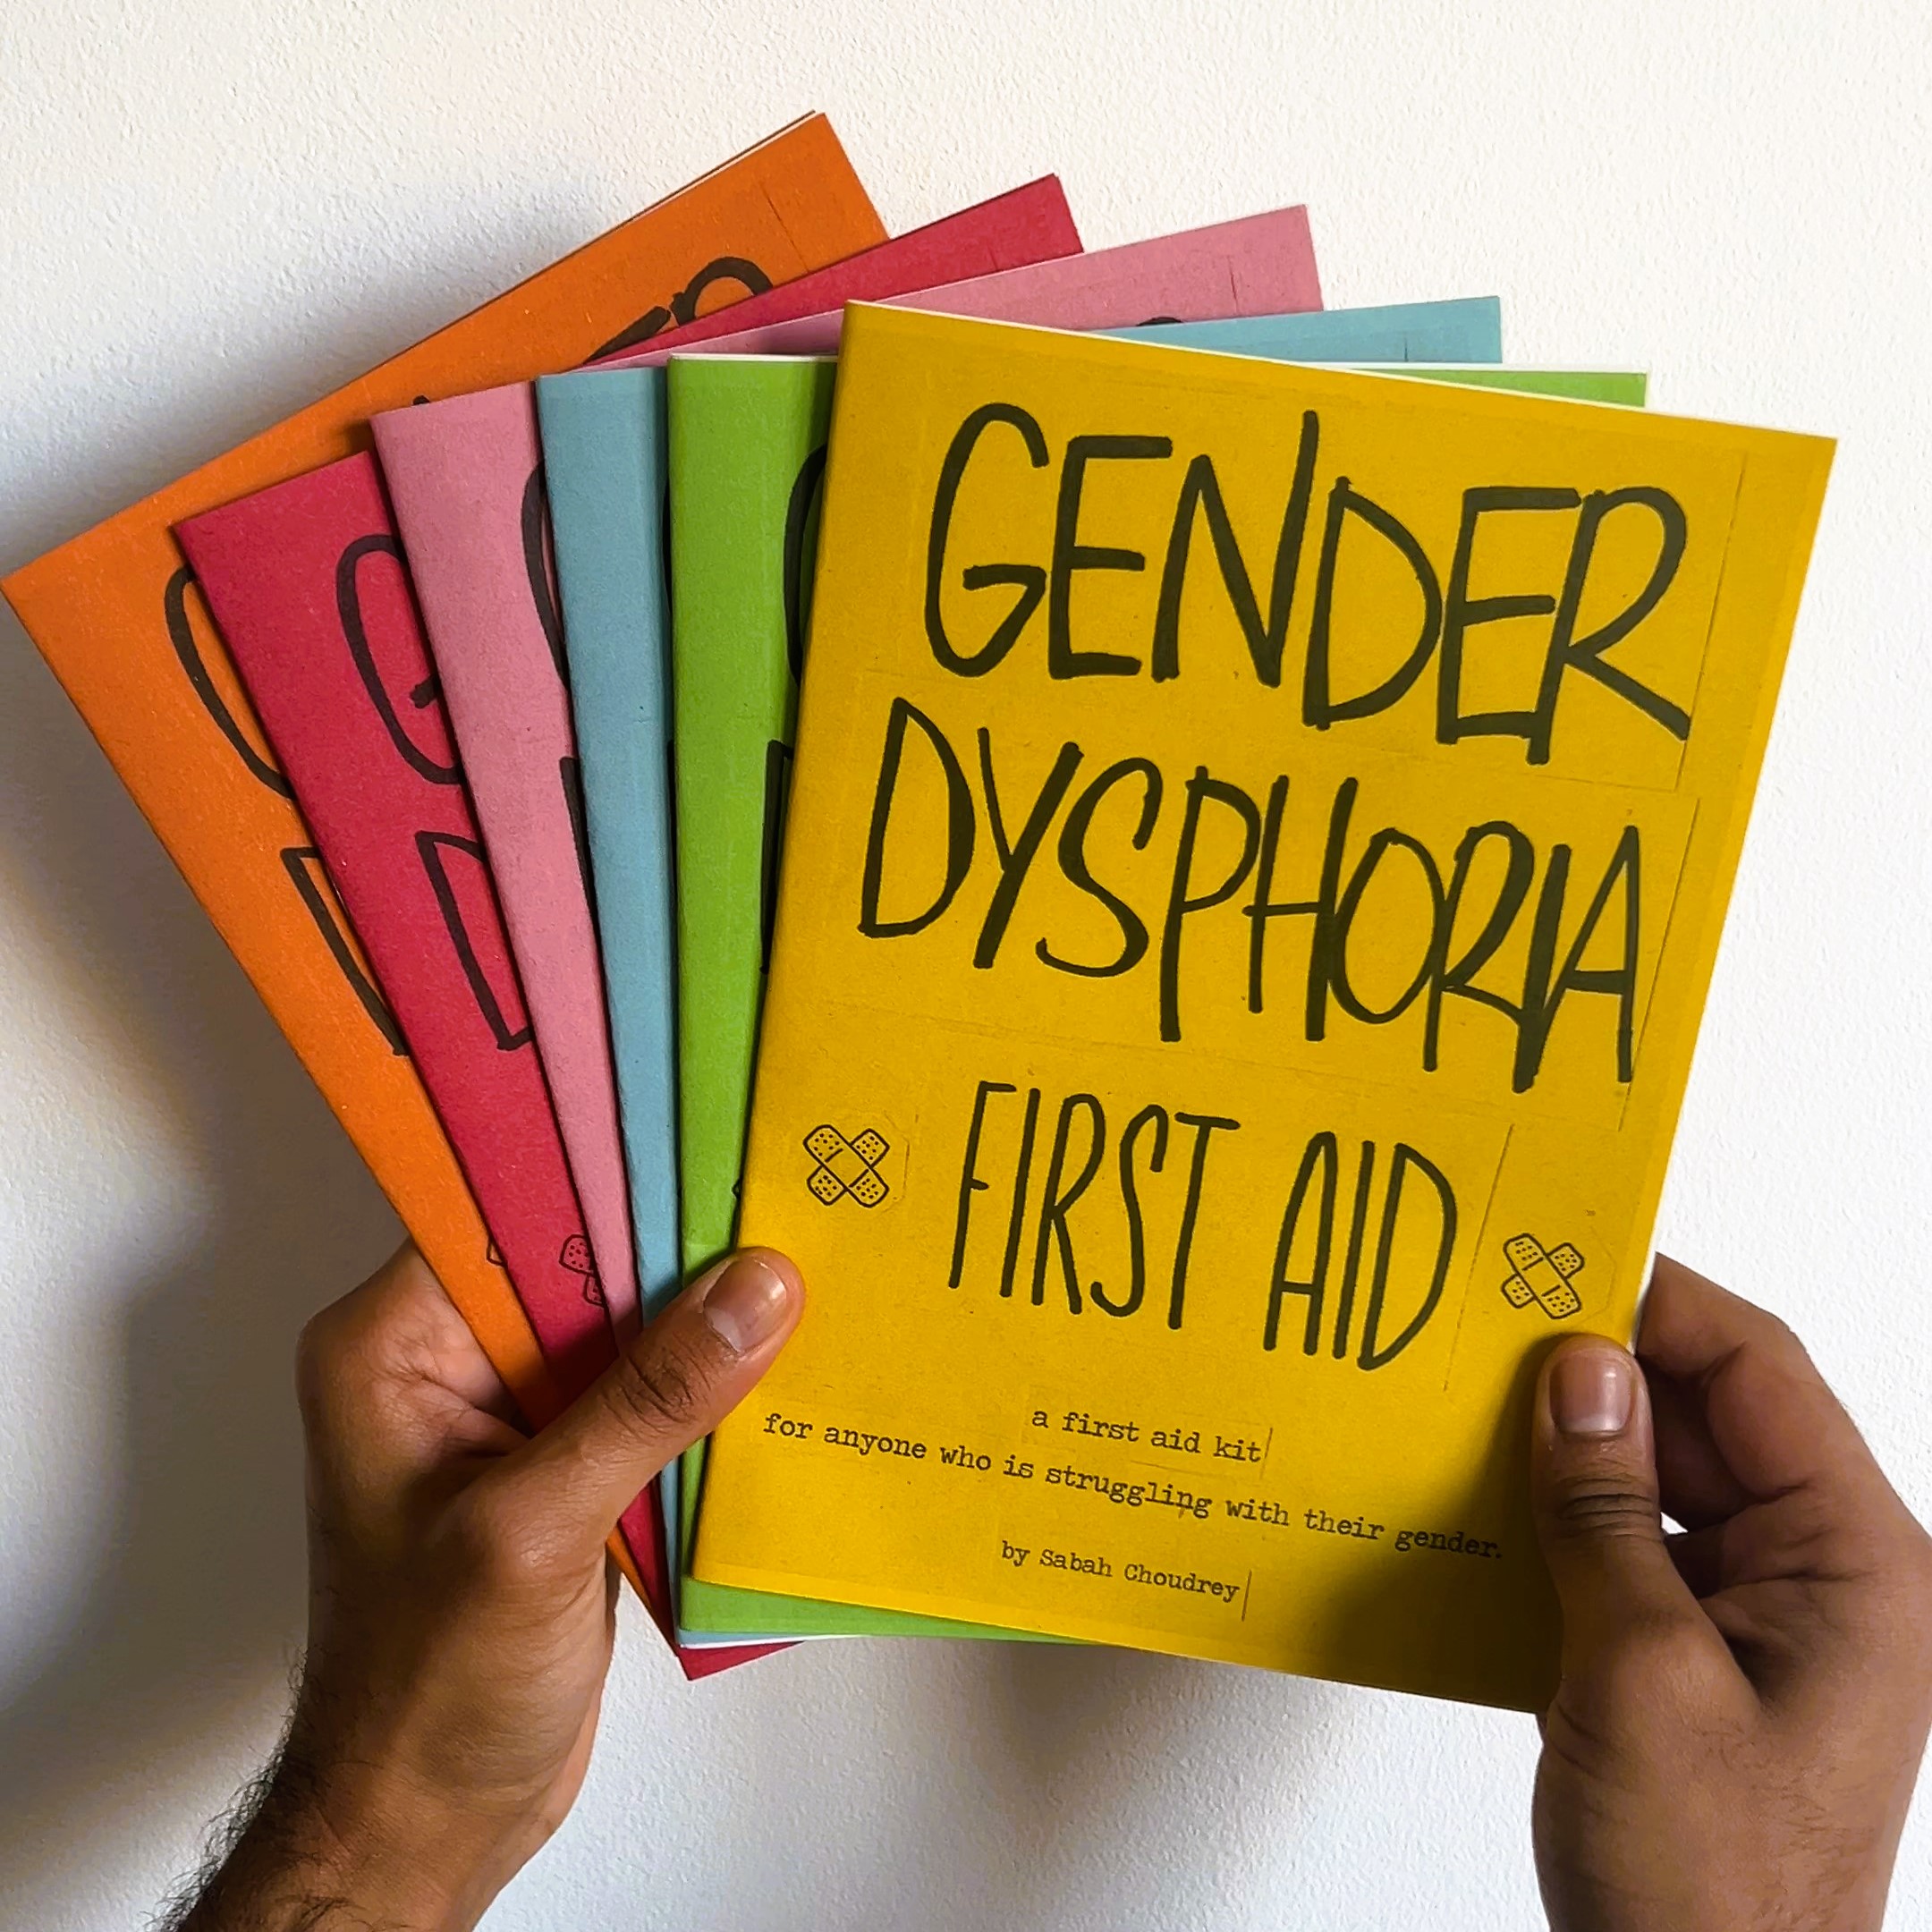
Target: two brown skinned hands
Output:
[{"x": 1732, "y": 1747}]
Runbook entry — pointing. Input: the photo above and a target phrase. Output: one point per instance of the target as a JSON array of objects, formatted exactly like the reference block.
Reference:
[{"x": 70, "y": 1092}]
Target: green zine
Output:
[{"x": 747, "y": 445}]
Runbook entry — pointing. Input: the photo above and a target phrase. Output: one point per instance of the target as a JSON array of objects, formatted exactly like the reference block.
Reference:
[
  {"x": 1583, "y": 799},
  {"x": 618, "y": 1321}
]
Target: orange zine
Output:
[{"x": 116, "y": 615}]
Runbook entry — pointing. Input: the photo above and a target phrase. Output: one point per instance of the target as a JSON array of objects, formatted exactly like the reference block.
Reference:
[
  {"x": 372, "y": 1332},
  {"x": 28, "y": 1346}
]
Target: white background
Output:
[{"x": 212, "y": 211}]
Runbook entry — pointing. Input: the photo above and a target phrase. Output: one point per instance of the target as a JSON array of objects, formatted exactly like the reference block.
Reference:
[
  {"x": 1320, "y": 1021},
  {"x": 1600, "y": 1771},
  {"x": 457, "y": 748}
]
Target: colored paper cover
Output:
[
  {"x": 1257, "y": 850},
  {"x": 466, "y": 489},
  {"x": 1262, "y": 265},
  {"x": 747, "y": 448},
  {"x": 603, "y": 467},
  {"x": 747, "y": 454},
  {"x": 1466, "y": 330},
  {"x": 1025, "y": 225},
  {"x": 118, "y": 618},
  {"x": 465, "y": 479}
]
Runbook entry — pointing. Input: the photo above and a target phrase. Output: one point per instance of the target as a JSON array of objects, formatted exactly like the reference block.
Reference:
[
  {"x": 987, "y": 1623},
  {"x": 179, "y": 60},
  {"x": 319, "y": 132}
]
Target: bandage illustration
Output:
[
  {"x": 576, "y": 1258},
  {"x": 847, "y": 1167},
  {"x": 1542, "y": 1275}
]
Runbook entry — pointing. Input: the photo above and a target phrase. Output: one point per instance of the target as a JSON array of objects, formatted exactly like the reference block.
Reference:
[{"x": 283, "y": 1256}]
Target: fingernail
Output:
[
  {"x": 1591, "y": 1391},
  {"x": 747, "y": 1303}
]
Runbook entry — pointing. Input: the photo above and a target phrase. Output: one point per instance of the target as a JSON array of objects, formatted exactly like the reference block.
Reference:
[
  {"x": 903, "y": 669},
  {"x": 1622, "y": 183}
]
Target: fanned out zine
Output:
[{"x": 1258, "y": 844}]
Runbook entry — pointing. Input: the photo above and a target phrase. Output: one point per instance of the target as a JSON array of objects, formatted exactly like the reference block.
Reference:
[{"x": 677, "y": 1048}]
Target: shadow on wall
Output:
[
  {"x": 195, "y": 1594},
  {"x": 1094, "y": 1755}
]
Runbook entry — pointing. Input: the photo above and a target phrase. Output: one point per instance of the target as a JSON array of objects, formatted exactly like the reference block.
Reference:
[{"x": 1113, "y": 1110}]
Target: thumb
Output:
[
  {"x": 671, "y": 1385},
  {"x": 1594, "y": 1489}
]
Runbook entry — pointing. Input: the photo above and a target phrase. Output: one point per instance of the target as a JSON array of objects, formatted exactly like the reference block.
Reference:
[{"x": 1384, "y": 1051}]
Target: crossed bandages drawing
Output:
[
  {"x": 577, "y": 1258},
  {"x": 847, "y": 1167},
  {"x": 1542, "y": 1275}
]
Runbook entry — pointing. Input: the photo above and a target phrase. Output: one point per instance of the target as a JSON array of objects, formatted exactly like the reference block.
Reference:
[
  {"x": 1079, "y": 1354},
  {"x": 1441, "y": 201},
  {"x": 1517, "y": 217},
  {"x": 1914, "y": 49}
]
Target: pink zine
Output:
[
  {"x": 457, "y": 474},
  {"x": 1261, "y": 264}
]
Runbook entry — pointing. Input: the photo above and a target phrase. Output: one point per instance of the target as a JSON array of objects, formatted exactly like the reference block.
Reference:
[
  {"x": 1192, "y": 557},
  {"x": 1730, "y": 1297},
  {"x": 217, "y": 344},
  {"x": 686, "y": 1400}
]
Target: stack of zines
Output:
[{"x": 1213, "y": 858}]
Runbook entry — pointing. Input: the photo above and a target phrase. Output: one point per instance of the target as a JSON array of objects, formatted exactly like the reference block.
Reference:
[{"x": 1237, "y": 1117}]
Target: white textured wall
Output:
[{"x": 213, "y": 210}]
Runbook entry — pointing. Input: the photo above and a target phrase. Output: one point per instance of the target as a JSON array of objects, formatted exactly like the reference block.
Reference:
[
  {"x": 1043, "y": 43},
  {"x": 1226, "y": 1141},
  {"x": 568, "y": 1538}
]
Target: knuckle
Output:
[
  {"x": 1611, "y": 1505},
  {"x": 1779, "y": 1334},
  {"x": 317, "y": 1354},
  {"x": 662, "y": 1389},
  {"x": 1901, "y": 1579}
]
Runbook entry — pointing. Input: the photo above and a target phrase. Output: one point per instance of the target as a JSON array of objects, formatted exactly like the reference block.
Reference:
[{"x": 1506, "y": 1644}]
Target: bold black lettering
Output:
[
  {"x": 1073, "y": 863},
  {"x": 1541, "y": 997},
  {"x": 1028, "y": 579},
  {"x": 1201, "y": 491},
  {"x": 1071, "y": 554},
  {"x": 1156, "y": 1118},
  {"x": 310, "y": 877},
  {"x": 1016, "y": 1218},
  {"x": 1200, "y": 788},
  {"x": 1351, "y": 1263},
  {"x": 969, "y": 1182},
  {"x": 509, "y": 1027},
  {"x": 1458, "y": 979},
  {"x": 1321, "y": 1157},
  {"x": 682, "y": 307},
  {"x": 958, "y": 825},
  {"x": 1570, "y": 652},
  {"x": 1057, "y": 1201},
  {"x": 1461, "y": 614},
  {"x": 259, "y": 765},
  {"x": 355, "y": 633},
  {"x": 801, "y": 555},
  {"x": 1322, "y": 908},
  {"x": 1320, "y": 706},
  {"x": 1372, "y": 1355},
  {"x": 1386, "y": 840},
  {"x": 539, "y": 568},
  {"x": 1205, "y": 1126},
  {"x": 733, "y": 268},
  {"x": 1016, "y": 860}
]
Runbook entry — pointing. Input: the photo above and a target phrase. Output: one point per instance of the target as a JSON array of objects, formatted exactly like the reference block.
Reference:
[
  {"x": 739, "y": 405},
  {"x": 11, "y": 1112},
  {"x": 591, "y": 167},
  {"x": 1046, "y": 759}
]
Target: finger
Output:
[
  {"x": 389, "y": 1375},
  {"x": 1594, "y": 1489},
  {"x": 1701, "y": 1559},
  {"x": 1772, "y": 1423},
  {"x": 1694, "y": 1481},
  {"x": 671, "y": 1385}
]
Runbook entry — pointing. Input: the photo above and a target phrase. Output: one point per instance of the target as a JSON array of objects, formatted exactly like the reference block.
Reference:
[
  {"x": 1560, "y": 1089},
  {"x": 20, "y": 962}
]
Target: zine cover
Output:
[
  {"x": 1257, "y": 844},
  {"x": 747, "y": 454}
]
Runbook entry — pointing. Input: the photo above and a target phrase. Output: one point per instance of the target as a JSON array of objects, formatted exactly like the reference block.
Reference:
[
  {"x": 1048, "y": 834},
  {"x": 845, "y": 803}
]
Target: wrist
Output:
[
  {"x": 394, "y": 1853},
  {"x": 337, "y": 1848}
]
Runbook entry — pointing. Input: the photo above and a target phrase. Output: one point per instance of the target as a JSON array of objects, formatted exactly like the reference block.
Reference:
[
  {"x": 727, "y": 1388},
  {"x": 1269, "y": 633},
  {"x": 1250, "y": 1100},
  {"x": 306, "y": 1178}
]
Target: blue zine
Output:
[
  {"x": 1466, "y": 331},
  {"x": 604, "y": 458},
  {"x": 602, "y": 443},
  {"x": 603, "y": 472}
]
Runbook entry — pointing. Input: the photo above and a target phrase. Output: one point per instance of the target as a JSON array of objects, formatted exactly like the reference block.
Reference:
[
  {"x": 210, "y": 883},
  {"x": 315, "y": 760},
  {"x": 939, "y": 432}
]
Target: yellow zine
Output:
[{"x": 1257, "y": 847}]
